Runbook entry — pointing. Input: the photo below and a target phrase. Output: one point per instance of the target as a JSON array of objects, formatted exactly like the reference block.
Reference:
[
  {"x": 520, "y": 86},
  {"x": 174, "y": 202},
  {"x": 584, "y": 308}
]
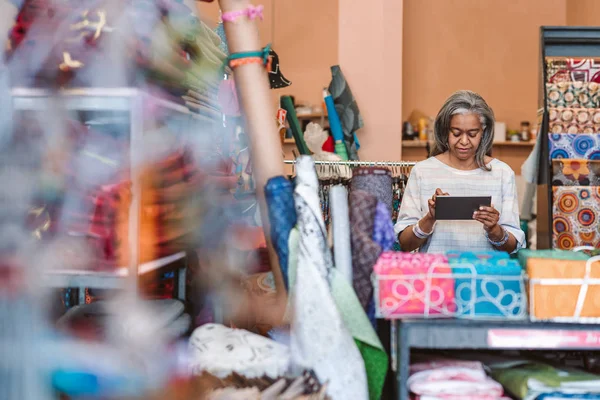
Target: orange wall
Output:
[
  {"x": 305, "y": 35},
  {"x": 583, "y": 12},
  {"x": 489, "y": 46}
]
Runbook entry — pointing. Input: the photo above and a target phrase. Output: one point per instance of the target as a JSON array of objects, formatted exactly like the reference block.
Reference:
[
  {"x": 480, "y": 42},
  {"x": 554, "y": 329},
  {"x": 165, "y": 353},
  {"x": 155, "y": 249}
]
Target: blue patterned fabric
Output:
[
  {"x": 574, "y": 146},
  {"x": 383, "y": 232},
  {"x": 279, "y": 195},
  {"x": 496, "y": 281}
]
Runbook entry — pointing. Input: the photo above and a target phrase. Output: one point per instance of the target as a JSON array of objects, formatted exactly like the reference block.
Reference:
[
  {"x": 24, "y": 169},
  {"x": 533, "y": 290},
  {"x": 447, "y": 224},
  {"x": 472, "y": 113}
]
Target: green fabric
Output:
[
  {"x": 288, "y": 105},
  {"x": 357, "y": 322},
  {"x": 525, "y": 255},
  {"x": 515, "y": 377},
  {"x": 340, "y": 150}
]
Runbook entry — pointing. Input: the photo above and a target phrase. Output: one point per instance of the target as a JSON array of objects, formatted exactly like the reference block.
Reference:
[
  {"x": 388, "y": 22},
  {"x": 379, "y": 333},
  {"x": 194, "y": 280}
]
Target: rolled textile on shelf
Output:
[
  {"x": 288, "y": 105},
  {"x": 342, "y": 251},
  {"x": 336, "y": 128}
]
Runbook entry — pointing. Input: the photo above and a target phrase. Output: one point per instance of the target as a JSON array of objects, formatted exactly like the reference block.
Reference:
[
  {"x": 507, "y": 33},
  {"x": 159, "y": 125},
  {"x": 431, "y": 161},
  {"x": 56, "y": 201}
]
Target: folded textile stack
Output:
[
  {"x": 407, "y": 285},
  {"x": 529, "y": 380},
  {"x": 488, "y": 285},
  {"x": 568, "y": 300},
  {"x": 452, "y": 380}
]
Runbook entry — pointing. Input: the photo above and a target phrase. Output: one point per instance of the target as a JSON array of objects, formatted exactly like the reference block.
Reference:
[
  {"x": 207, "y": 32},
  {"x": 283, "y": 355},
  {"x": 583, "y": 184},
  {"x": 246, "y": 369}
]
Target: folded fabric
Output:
[
  {"x": 528, "y": 380},
  {"x": 560, "y": 69},
  {"x": 489, "y": 288},
  {"x": 574, "y": 146},
  {"x": 562, "y": 300},
  {"x": 573, "y": 94},
  {"x": 454, "y": 381},
  {"x": 406, "y": 287},
  {"x": 525, "y": 255},
  {"x": 575, "y": 213},
  {"x": 574, "y": 120},
  {"x": 569, "y": 172}
]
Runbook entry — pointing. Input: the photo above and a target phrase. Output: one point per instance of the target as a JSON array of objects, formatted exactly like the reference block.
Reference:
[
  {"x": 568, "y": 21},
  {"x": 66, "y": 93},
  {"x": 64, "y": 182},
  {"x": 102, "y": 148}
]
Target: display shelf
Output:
[
  {"x": 457, "y": 334},
  {"x": 139, "y": 105},
  {"x": 116, "y": 279}
]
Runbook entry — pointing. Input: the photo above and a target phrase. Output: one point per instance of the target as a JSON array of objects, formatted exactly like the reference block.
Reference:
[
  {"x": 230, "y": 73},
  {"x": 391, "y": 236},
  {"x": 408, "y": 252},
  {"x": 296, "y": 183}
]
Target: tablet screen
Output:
[{"x": 459, "y": 207}]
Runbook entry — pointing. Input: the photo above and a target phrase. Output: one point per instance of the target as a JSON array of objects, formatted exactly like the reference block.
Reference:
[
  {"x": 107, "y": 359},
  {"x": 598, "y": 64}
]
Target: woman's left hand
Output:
[{"x": 489, "y": 217}]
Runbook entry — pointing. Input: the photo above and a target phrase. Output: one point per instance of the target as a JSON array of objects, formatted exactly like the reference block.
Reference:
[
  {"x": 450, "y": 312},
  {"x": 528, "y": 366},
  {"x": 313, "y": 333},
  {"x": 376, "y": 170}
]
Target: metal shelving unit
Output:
[
  {"x": 133, "y": 101},
  {"x": 460, "y": 334}
]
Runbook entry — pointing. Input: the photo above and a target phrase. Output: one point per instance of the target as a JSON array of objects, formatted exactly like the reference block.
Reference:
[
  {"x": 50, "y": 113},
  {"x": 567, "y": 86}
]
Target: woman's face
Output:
[{"x": 464, "y": 136}]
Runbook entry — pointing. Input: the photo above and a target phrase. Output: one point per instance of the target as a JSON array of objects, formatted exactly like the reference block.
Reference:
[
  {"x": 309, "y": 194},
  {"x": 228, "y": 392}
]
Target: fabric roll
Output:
[
  {"x": 574, "y": 146},
  {"x": 575, "y": 172},
  {"x": 575, "y": 216},
  {"x": 347, "y": 110},
  {"x": 365, "y": 251},
  {"x": 375, "y": 180},
  {"x": 342, "y": 251},
  {"x": 288, "y": 105},
  {"x": 336, "y": 129},
  {"x": 279, "y": 195},
  {"x": 319, "y": 338},
  {"x": 383, "y": 231}
]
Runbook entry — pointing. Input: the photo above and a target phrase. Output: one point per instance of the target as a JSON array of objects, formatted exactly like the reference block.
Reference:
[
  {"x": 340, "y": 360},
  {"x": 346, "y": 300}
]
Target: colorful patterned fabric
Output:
[
  {"x": 573, "y": 94},
  {"x": 575, "y": 172},
  {"x": 574, "y": 120},
  {"x": 575, "y": 216},
  {"x": 365, "y": 251},
  {"x": 574, "y": 146},
  {"x": 383, "y": 232},
  {"x": 376, "y": 181},
  {"x": 405, "y": 289},
  {"x": 572, "y": 70}
]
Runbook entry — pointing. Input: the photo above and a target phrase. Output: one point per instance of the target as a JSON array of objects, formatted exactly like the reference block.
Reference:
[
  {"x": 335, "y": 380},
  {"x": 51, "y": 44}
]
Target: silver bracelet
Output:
[
  {"x": 501, "y": 242},
  {"x": 419, "y": 232}
]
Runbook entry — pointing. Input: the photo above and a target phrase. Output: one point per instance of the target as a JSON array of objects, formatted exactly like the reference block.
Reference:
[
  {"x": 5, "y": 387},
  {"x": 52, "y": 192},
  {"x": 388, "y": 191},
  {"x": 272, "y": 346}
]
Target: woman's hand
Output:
[
  {"x": 431, "y": 203},
  {"x": 490, "y": 217}
]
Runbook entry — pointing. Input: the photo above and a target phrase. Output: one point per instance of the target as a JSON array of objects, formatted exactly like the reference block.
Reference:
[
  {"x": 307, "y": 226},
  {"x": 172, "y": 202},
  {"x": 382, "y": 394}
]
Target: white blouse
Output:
[{"x": 431, "y": 174}]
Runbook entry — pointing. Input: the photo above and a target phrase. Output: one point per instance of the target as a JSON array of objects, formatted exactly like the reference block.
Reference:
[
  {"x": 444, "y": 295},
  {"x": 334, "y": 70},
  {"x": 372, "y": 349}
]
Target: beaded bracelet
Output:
[
  {"x": 252, "y": 12},
  {"x": 501, "y": 242}
]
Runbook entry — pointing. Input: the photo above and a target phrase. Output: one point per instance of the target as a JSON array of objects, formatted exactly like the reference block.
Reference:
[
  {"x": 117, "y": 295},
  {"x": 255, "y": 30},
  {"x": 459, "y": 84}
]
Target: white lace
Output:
[{"x": 319, "y": 338}]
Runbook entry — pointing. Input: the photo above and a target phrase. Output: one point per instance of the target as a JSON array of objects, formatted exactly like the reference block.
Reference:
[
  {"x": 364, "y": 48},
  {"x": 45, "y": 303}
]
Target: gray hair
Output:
[{"x": 465, "y": 102}]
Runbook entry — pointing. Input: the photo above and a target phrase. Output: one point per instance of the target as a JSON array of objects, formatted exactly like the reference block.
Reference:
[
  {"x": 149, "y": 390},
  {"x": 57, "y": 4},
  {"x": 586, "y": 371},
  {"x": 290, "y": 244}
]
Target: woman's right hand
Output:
[{"x": 431, "y": 203}]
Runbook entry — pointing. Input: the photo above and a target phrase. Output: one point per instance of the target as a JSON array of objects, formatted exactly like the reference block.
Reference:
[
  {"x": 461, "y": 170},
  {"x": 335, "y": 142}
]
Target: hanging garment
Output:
[
  {"x": 374, "y": 180},
  {"x": 319, "y": 338}
]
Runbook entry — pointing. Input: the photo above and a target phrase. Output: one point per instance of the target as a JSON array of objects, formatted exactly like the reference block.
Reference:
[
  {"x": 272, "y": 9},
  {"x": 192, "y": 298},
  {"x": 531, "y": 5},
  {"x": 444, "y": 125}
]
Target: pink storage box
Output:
[{"x": 413, "y": 285}]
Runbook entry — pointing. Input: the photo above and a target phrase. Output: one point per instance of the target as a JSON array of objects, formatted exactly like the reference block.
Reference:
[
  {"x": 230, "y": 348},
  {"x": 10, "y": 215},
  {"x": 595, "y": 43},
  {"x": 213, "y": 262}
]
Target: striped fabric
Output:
[{"x": 431, "y": 174}]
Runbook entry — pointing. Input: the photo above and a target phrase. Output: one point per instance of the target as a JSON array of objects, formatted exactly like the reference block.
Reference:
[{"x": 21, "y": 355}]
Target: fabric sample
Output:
[
  {"x": 383, "y": 232},
  {"x": 222, "y": 351},
  {"x": 572, "y": 70},
  {"x": 574, "y": 146},
  {"x": 528, "y": 380},
  {"x": 347, "y": 109},
  {"x": 574, "y": 120},
  {"x": 560, "y": 301},
  {"x": 374, "y": 180},
  {"x": 279, "y": 196},
  {"x": 365, "y": 251},
  {"x": 320, "y": 339},
  {"x": 575, "y": 213},
  {"x": 405, "y": 287},
  {"x": 573, "y": 94},
  {"x": 566, "y": 172}
]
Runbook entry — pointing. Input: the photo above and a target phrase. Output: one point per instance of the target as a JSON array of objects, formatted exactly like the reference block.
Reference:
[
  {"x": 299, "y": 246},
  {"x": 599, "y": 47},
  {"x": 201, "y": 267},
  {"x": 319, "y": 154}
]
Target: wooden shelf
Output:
[
  {"x": 423, "y": 143},
  {"x": 311, "y": 116}
]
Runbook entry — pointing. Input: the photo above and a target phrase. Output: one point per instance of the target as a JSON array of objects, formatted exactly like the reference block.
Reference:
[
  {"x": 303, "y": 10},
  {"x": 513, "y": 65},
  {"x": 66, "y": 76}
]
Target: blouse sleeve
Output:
[
  {"x": 509, "y": 212},
  {"x": 410, "y": 207}
]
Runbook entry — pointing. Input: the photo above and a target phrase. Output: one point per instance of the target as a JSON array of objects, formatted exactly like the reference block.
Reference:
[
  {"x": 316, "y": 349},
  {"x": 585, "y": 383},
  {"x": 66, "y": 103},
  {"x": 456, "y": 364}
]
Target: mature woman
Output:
[{"x": 460, "y": 166}]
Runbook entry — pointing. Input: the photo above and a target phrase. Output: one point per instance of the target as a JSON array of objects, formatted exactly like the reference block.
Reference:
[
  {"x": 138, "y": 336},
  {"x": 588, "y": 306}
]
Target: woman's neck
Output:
[{"x": 457, "y": 163}]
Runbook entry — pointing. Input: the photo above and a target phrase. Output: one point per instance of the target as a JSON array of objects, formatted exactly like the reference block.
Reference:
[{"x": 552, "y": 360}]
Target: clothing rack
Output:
[{"x": 361, "y": 163}]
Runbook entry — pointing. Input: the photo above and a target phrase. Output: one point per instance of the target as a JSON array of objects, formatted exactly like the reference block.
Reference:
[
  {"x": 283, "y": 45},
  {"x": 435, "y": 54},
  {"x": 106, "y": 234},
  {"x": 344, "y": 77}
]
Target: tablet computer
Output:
[{"x": 459, "y": 207}]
